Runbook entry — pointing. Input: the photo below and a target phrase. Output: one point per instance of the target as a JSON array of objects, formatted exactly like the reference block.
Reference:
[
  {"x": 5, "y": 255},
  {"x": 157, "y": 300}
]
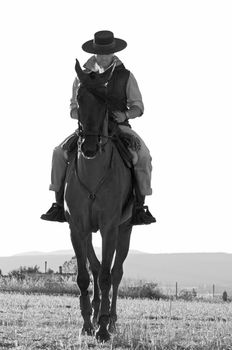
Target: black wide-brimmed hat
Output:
[{"x": 104, "y": 43}]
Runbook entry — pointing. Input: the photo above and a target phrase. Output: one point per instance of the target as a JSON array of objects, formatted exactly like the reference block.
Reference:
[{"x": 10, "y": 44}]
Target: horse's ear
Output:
[{"x": 81, "y": 75}]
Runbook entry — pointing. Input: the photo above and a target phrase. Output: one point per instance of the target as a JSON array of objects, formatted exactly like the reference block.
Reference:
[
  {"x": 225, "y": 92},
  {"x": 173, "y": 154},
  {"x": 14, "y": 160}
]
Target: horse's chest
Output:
[{"x": 92, "y": 208}]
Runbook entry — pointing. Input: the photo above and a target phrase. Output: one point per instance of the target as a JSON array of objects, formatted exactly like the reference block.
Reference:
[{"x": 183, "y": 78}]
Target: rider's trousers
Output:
[{"x": 142, "y": 168}]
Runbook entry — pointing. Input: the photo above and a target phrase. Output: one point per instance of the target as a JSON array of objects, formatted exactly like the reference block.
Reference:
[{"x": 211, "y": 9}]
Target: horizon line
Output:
[{"x": 135, "y": 250}]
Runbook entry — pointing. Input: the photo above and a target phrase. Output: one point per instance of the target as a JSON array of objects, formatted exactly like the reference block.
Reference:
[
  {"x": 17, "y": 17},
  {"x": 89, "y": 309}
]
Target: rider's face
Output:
[{"x": 104, "y": 60}]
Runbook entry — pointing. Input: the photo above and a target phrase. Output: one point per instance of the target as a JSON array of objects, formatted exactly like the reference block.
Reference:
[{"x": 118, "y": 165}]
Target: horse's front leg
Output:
[
  {"x": 83, "y": 280},
  {"x": 95, "y": 268},
  {"x": 109, "y": 237},
  {"x": 122, "y": 248}
]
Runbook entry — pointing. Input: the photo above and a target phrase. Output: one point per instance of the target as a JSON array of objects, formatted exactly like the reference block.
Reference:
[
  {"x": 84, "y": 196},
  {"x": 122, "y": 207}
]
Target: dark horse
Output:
[{"x": 98, "y": 194}]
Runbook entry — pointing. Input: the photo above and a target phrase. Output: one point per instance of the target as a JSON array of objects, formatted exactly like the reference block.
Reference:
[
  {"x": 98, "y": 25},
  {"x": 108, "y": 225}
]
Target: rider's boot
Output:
[
  {"x": 56, "y": 212},
  {"x": 141, "y": 214}
]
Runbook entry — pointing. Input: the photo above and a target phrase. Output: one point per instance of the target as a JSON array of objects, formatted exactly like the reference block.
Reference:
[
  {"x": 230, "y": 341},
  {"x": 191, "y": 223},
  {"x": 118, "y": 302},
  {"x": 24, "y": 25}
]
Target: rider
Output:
[{"x": 123, "y": 87}]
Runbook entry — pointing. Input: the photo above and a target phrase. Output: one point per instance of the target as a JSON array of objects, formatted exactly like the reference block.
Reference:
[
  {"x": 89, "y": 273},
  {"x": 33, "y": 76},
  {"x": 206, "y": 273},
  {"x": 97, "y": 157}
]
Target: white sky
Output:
[{"x": 180, "y": 53}]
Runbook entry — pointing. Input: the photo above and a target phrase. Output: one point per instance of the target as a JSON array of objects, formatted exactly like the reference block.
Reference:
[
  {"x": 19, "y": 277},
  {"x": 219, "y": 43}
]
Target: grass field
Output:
[{"x": 54, "y": 322}]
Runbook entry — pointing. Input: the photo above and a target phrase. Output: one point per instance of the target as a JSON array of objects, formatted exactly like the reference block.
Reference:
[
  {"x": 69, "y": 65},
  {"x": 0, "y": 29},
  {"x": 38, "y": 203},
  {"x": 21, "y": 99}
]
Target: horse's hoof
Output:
[{"x": 102, "y": 335}]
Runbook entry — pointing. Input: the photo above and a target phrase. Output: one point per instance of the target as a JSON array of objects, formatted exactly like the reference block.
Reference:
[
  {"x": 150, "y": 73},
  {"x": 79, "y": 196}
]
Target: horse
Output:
[{"x": 98, "y": 196}]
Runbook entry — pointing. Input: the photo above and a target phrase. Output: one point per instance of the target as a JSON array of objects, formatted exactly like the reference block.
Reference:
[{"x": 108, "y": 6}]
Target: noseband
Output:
[{"x": 82, "y": 136}]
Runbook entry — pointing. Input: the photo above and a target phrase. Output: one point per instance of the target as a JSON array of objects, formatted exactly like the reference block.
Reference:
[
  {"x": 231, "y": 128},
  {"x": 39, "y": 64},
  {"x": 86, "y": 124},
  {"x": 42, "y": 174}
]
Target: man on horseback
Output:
[{"x": 123, "y": 90}]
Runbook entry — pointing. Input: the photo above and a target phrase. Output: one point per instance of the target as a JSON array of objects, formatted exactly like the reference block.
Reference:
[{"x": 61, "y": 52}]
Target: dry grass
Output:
[
  {"x": 41, "y": 283},
  {"x": 54, "y": 322}
]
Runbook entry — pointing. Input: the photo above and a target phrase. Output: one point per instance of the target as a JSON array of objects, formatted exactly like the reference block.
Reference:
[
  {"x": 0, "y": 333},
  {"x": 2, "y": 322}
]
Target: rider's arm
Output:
[
  {"x": 73, "y": 100},
  {"x": 134, "y": 98}
]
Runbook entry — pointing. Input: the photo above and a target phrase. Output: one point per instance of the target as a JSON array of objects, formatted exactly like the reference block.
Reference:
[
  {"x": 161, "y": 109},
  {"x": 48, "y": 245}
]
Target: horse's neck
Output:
[{"x": 92, "y": 171}]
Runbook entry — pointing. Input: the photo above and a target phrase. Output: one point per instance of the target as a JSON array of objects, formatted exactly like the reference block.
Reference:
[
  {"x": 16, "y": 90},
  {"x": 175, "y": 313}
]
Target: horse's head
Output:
[{"x": 92, "y": 111}]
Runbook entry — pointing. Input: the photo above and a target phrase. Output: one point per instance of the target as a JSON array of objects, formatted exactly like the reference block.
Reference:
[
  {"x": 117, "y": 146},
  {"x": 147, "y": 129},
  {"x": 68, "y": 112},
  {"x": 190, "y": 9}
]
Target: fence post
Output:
[
  {"x": 46, "y": 266},
  {"x": 213, "y": 290},
  {"x": 176, "y": 290},
  {"x": 60, "y": 270}
]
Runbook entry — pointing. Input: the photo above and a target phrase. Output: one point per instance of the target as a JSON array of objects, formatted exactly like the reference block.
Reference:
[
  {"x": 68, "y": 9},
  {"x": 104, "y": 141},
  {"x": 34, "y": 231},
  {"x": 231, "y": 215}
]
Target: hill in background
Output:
[{"x": 188, "y": 269}]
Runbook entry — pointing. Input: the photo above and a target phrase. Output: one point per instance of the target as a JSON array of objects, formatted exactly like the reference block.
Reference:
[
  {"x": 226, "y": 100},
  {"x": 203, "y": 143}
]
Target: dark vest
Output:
[{"x": 116, "y": 90}]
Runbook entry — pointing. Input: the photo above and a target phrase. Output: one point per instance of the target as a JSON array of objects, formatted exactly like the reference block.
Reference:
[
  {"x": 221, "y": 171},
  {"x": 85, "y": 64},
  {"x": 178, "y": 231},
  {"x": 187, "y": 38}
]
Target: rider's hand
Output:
[{"x": 120, "y": 117}]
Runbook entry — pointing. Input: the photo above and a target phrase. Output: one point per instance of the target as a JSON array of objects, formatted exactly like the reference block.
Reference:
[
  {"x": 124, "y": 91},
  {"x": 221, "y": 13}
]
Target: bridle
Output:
[{"x": 100, "y": 136}]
